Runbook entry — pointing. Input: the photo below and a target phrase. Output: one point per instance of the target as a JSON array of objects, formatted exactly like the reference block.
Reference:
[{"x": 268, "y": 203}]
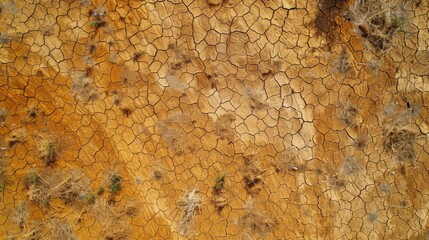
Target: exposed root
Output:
[{"x": 190, "y": 204}]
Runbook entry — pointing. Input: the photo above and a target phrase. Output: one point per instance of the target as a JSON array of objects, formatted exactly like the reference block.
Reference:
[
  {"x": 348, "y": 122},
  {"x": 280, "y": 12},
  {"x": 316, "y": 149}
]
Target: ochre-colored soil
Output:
[{"x": 319, "y": 134}]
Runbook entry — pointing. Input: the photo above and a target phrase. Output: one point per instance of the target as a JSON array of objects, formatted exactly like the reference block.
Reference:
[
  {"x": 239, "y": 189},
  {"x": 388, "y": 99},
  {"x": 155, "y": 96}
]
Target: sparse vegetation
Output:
[
  {"x": 100, "y": 190},
  {"x": 173, "y": 130},
  {"x": 31, "y": 178},
  {"x": 190, "y": 204},
  {"x": 48, "y": 147},
  {"x": 378, "y": 20}
]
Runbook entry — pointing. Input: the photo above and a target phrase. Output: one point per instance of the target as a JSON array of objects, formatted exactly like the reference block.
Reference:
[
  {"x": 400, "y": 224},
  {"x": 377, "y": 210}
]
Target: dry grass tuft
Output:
[
  {"x": 342, "y": 64},
  {"x": 222, "y": 126},
  {"x": 114, "y": 222},
  {"x": 84, "y": 89},
  {"x": 253, "y": 172},
  {"x": 70, "y": 187},
  {"x": 174, "y": 129},
  {"x": 350, "y": 166},
  {"x": 20, "y": 215},
  {"x": 61, "y": 229},
  {"x": 48, "y": 147},
  {"x": 349, "y": 114},
  {"x": 190, "y": 203},
  {"x": 257, "y": 98},
  {"x": 378, "y": 20},
  {"x": 398, "y": 138},
  {"x": 17, "y": 136},
  {"x": 256, "y": 223},
  {"x": 289, "y": 162}
]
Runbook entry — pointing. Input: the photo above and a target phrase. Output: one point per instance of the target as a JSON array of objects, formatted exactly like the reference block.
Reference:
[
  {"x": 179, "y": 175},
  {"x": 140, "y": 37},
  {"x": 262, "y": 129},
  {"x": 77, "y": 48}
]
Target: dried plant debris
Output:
[
  {"x": 255, "y": 223},
  {"x": 378, "y": 20},
  {"x": 48, "y": 148},
  {"x": 350, "y": 166},
  {"x": 398, "y": 137},
  {"x": 349, "y": 114},
  {"x": 113, "y": 221},
  {"x": 17, "y": 136},
  {"x": 32, "y": 231},
  {"x": 252, "y": 174},
  {"x": 190, "y": 204},
  {"x": 400, "y": 142},
  {"x": 60, "y": 229},
  {"x": 257, "y": 98},
  {"x": 174, "y": 129},
  {"x": 223, "y": 128},
  {"x": 3, "y": 115},
  {"x": 71, "y": 187},
  {"x": 289, "y": 162},
  {"x": 20, "y": 214},
  {"x": 342, "y": 64},
  {"x": 84, "y": 89}
]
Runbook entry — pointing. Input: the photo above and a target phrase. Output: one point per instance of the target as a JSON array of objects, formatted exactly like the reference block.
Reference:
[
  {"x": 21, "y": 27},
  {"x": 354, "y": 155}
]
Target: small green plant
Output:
[
  {"x": 89, "y": 199},
  {"x": 31, "y": 178},
  {"x": 220, "y": 182},
  {"x": 100, "y": 190},
  {"x": 115, "y": 183}
]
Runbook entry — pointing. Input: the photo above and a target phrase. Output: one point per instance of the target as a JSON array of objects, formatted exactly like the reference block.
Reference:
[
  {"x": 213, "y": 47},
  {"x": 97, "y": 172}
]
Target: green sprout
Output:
[
  {"x": 220, "y": 181},
  {"x": 115, "y": 183}
]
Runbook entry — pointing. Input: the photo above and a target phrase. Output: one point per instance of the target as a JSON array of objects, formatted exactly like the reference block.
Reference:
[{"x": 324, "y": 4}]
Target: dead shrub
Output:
[
  {"x": 190, "y": 204},
  {"x": 60, "y": 229},
  {"x": 17, "y": 136},
  {"x": 252, "y": 174},
  {"x": 48, "y": 147},
  {"x": 70, "y": 187},
  {"x": 378, "y": 20},
  {"x": 255, "y": 223}
]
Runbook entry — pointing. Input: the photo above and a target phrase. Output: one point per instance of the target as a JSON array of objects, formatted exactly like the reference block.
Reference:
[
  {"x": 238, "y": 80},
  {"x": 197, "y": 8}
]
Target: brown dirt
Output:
[{"x": 319, "y": 134}]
